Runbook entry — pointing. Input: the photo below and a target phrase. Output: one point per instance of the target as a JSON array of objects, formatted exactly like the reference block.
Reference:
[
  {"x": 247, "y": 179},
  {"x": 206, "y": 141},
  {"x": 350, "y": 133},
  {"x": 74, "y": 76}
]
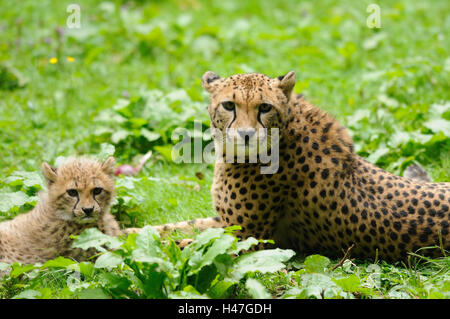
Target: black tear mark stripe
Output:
[
  {"x": 259, "y": 119},
  {"x": 78, "y": 199},
  {"x": 234, "y": 118},
  {"x": 105, "y": 193}
]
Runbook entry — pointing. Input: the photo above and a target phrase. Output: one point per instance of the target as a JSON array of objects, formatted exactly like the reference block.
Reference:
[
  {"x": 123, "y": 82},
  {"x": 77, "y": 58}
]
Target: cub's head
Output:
[
  {"x": 81, "y": 189},
  {"x": 245, "y": 107}
]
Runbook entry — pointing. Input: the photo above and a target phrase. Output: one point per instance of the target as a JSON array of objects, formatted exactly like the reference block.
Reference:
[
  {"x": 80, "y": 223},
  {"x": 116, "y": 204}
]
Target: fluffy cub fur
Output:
[{"x": 79, "y": 196}]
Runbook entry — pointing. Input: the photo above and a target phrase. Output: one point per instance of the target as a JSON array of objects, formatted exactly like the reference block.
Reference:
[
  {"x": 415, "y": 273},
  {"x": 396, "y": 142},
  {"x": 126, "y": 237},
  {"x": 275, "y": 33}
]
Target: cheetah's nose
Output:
[
  {"x": 246, "y": 132},
  {"x": 88, "y": 211}
]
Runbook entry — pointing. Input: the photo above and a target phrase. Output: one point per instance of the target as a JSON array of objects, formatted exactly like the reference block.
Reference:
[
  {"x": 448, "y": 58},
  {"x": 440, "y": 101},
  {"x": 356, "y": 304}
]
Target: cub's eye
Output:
[
  {"x": 72, "y": 192},
  {"x": 97, "y": 190},
  {"x": 265, "y": 107},
  {"x": 228, "y": 105}
]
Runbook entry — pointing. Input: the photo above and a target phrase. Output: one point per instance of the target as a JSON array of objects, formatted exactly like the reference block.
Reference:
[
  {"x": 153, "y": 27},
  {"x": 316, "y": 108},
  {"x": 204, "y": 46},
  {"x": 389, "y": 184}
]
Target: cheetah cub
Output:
[{"x": 79, "y": 196}]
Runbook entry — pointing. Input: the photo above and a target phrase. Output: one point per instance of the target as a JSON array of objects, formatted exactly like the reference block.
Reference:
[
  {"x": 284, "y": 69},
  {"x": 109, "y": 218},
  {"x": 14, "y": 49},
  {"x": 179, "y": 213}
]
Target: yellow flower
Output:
[
  {"x": 70, "y": 59},
  {"x": 53, "y": 60}
]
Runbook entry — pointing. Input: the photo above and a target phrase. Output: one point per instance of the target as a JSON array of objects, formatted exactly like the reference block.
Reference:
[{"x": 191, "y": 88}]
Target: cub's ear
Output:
[
  {"x": 49, "y": 172},
  {"x": 109, "y": 166},
  {"x": 208, "y": 80},
  {"x": 287, "y": 83}
]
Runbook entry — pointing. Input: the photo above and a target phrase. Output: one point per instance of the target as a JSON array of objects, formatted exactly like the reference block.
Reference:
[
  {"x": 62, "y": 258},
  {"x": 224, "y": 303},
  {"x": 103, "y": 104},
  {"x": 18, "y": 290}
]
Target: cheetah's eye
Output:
[
  {"x": 72, "y": 192},
  {"x": 265, "y": 107},
  {"x": 97, "y": 190},
  {"x": 228, "y": 105}
]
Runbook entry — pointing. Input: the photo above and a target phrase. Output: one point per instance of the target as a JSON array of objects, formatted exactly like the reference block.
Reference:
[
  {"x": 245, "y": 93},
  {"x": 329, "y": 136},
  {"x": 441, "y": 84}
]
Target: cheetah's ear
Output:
[
  {"x": 109, "y": 166},
  {"x": 49, "y": 172},
  {"x": 287, "y": 83},
  {"x": 208, "y": 80}
]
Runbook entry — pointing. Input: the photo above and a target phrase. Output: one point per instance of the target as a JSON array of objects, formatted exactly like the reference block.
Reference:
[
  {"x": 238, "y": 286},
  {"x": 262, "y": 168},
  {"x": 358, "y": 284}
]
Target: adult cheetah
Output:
[{"x": 323, "y": 198}]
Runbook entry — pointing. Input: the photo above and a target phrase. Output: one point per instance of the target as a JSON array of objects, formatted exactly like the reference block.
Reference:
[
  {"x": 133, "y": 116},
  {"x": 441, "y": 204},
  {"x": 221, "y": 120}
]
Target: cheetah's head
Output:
[
  {"x": 81, "y": 189},
  {"x": 246, "y": 108}
]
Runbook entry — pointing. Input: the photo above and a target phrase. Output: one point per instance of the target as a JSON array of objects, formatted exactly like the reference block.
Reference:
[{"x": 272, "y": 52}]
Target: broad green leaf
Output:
[
  {"x": 200, "y": 241},
  {"x": 399, "y": 138},
  {"x": 106, "y": 150},
  {"x": 92, "y": 293},
  {"x": 94, "y": 238},
  {"x": 59, "y": 262},
  {"x": 204, "y": 278},
  {"x": 269, "y": 260},
  {"x": 117, "y": 285},
  {"x": 438, "y": 125},
  {"x": 86, "y": 268},
  {"x": 350, "y": 283},
  {"x": 388, "y": 101},
  {"x": 149, "y": 135},
  {"x": 10, "y": 77},
  {"x": 208, "y": 235},
  {"x": 46, "y": 293},
  {"x": 294, "y": 292},
  {"x": 220, "y": 246},
  {"x": 9, "y": 200},
  {"x": 136, "y": 123},
  {"x": 27, "y": 179},
  {"x": 223, "y": 264},
  {"x": 165, "y": 151},
  {"x": 121, "y": 104},
  {"x": 320, "y": 286},
  {"x": 130, "y": 242},
  {"x": 256, "y": 289},
  {"x": 18, "y": 269},
  {"x": 108, "y": 260},
  {"x": 148, "y": 250},
  {"x": 436, "y": 295},
  {"x": 244, "y": 245},
  {"x": 162, "y": 264},
  {"x": 377, "y": 154},
  {"x": 148, "y": 241},
  {"x": 127, "y": 183},
  {"x": 316, "y": 263},
  {"x": 195, "y": 258},
  {"x": 119, "y": 135},
  {"x": 438, "y": 110},
  {"x": 28, "y": 294},
  {"x": 154, "y": 284},
  {"x": 220, "y": 289},
  {"x": 173, "y": 252}
]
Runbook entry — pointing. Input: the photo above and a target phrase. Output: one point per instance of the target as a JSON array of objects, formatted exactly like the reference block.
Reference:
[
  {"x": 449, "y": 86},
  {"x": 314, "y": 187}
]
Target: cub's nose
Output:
[
  {"x": 243, "y": 132},
  {"x": 88, "y": 211}
]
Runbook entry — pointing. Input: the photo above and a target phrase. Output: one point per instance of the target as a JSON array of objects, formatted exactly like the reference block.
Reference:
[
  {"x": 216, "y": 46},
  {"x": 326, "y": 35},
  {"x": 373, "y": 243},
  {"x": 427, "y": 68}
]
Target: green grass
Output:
[
  {"x": 176, "y": 194},
  {"x": 137, "y": 68}
]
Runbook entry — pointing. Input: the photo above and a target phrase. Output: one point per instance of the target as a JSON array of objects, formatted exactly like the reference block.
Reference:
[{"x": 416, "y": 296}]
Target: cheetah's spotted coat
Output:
[{"x": 324, "y": 197}]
